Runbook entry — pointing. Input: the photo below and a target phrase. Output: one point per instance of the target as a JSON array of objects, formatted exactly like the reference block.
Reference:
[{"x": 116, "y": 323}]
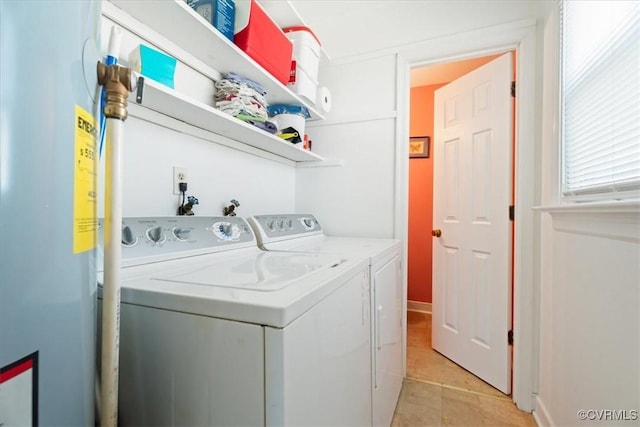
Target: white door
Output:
[{"x": 472, "y": 189}]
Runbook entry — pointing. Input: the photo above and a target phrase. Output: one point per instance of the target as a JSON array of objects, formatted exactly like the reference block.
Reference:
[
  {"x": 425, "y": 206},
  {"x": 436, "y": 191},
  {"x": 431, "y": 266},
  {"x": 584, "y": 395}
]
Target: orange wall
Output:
[{"x": 421, "y": 197}]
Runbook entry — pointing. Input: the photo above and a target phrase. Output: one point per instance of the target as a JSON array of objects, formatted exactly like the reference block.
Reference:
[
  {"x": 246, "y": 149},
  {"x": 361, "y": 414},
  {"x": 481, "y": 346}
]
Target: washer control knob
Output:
[
  {"x": 280, "y": 225},
  {"x": 308, "y": 223},
  {"x": 271, "y": 226},
  {"x": 182, "y": 234},
  {"x": 128, "y": 239},
  {"x": 226, "y": 231},
  {"x": 289, "y": 224},
  {"x": 155, "y": 234}
]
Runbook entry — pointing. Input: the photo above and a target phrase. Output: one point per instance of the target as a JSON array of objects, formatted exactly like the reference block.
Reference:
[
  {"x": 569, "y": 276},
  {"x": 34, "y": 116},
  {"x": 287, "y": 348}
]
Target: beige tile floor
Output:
[{"x": 437, "y": 392}]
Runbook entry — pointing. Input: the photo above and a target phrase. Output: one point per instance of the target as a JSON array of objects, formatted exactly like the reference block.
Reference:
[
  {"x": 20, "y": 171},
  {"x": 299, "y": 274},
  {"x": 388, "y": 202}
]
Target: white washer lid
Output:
[
  {"x": 263, "y": 272},
  {"x": 254, "y": 286}
]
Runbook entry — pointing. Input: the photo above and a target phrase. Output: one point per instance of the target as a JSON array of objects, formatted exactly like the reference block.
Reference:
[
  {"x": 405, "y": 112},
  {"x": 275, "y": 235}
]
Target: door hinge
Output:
[
  {"x": 510, "y": 337},
  {"x": 512, "y": 213},
  {"x": 513, "y": 88}
]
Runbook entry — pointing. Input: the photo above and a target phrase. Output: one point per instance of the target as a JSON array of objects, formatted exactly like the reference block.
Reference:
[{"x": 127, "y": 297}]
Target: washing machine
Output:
[
  {"x": 302, "y": 233},
  {"x": 215, "y": 331}
]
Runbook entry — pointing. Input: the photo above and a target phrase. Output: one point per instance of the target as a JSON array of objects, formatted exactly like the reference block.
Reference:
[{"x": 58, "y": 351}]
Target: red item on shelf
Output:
[{"x": 260, "y": 38}]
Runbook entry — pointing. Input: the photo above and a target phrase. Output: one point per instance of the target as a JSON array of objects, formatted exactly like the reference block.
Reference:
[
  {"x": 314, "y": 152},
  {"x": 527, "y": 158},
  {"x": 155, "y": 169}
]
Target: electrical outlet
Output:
[{"x": 179, "y": 175}]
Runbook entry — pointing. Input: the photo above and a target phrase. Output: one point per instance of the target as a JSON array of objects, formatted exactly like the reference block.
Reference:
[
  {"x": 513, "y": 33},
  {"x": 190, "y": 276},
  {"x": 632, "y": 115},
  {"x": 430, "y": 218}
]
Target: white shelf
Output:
[
  {"x": 323, "y": 164},
  {"x": 160, "y": 98},
  {"x": 178, "y": 22}
]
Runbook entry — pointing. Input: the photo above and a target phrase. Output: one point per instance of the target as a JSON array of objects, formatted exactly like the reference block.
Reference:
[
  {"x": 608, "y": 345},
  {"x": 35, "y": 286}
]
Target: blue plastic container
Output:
[{"x": 219, "y": 13}]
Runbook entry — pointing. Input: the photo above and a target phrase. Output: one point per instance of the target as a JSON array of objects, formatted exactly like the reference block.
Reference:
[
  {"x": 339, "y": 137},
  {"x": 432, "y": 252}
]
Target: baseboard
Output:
[
  {"x": 541, "y": 415},
  {"x": 422, "y": 307}
]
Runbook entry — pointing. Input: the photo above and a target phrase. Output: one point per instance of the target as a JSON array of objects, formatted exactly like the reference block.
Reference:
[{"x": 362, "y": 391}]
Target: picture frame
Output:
[{"x": 419, "y": 147}]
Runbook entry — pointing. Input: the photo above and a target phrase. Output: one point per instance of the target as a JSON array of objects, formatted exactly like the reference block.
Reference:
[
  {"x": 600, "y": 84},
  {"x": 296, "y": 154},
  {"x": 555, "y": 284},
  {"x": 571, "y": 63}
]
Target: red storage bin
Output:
[{"x": 260, "y": 38}]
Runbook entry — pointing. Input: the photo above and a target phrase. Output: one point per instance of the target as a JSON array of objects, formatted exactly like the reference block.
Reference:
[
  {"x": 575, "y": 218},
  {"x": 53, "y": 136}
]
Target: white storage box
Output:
[
  {"x": 304, "y": 85},
  {"x": 305, "y": 62}
]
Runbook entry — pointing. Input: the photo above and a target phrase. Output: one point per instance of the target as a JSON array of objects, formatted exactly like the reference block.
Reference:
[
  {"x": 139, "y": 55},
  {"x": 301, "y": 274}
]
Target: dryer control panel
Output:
[
  {"x": 287, "y": 226},
  {"x": 149, "y": 239}
]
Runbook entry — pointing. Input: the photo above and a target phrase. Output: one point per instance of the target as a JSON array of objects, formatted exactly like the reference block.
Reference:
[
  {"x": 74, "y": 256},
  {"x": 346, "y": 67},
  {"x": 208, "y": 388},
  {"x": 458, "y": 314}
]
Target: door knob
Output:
[{"x": 436, "y": 233}]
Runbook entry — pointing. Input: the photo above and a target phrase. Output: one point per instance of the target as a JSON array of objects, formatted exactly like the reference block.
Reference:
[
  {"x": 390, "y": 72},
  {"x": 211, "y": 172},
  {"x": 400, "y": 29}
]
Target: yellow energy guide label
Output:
[{"x": 84, "y": 197}]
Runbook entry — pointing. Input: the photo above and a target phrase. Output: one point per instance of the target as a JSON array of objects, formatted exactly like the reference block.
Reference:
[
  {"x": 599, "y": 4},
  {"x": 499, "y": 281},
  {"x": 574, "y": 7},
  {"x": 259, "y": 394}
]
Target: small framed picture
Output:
[{"x": 419, "y": 146}]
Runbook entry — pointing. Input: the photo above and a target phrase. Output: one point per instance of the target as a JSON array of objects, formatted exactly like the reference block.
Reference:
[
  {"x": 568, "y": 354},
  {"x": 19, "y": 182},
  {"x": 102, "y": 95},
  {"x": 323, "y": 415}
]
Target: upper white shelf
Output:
[
  {"x": 160, "y": 98},
  {"x": 178, "y": 22}
]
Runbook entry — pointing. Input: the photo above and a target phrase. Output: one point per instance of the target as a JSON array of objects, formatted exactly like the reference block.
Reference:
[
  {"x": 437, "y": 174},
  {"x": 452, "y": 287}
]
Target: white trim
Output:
[
  {"x": 621, "y": 224},
  {"x": 629, "y": 206},
  {"x": 439, "y": 47},
  {"x": 625, "y": 226},
  {"x": 401, "y": 188},
  {"x": 541, "y": 415},
  {"x": 353, "y": 118},
  {"x": 521, "y": 36},
  {"x": 527, "y": 228},
  {"x": 321, "y": 164},
  {"x": 612, "y": 220},
  {"x": 419, "y": 306}
]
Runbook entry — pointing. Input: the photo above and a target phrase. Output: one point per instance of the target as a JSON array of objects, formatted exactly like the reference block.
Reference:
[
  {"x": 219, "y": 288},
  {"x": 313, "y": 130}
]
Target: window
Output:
[{"x": 600, "y": 96}]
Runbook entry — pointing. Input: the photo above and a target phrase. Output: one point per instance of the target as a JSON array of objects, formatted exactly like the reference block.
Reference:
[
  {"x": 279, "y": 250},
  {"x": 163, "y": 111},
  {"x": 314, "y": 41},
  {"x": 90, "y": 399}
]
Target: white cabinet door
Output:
[
  {"x": 179, "y": 369},
  {"x": 387, "y": 340}
]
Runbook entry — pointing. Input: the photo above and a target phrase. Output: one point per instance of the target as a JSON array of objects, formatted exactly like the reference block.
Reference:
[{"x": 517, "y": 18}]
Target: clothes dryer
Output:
[
  {"x": 304, "y": 234},
  {"x": 215, "y": 331}
]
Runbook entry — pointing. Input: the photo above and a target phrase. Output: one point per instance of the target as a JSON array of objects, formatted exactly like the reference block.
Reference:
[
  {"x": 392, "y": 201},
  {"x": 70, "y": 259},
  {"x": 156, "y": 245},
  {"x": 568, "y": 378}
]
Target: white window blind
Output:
[{"x": 600, "y": 94}]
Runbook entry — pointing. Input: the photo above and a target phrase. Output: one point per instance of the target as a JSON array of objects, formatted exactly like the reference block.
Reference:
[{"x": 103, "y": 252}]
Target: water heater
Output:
[{"x": 48, "y": 211}]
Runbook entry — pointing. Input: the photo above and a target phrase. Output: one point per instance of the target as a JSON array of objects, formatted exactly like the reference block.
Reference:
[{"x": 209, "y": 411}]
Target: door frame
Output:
[{"x": 521, "y": 37}]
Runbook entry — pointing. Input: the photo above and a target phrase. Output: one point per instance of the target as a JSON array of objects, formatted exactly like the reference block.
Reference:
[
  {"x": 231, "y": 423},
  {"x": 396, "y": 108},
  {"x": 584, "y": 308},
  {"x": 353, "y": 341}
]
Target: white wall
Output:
[
  {"x": 594, "y": 339},
  {"x": 357, "y": 198},
  {"x": 216, "y": 174},
  {"x": 590, "y": 329},
  {"x": 590, "y": 291}
]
